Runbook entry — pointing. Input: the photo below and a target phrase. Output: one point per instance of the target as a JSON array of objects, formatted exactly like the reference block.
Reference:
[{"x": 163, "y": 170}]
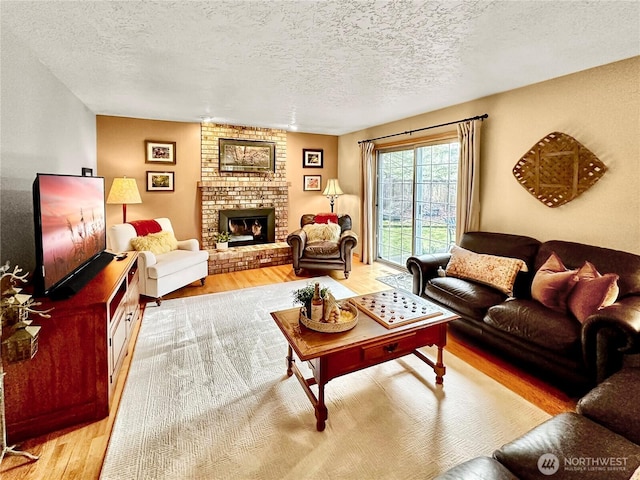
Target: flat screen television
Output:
[{"x": 70, "y": 231}]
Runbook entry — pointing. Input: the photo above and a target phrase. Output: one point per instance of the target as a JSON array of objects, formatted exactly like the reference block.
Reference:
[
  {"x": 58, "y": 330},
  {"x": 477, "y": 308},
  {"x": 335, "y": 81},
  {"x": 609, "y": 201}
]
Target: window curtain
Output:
[
  {"x": 468, "y": 199},
  {"x": 368, "y": 185}
]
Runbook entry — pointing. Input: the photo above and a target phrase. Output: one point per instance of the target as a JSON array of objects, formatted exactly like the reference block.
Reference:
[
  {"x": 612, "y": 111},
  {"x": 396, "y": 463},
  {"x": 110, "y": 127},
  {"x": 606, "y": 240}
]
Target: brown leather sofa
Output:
[
  {"x": 323, "y": 254},
  {"x": 600, "y": 440},
  {"x": 552, "y": 345}
]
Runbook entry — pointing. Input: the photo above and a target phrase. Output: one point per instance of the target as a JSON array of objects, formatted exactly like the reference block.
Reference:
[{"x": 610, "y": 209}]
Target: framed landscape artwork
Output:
[
  {"x": 312, "y": 158},
  {"x": 160, "y": 152},
  {"x": 160, "y": 181},
  {"x": 312, "y": 183},
  {"x": 246, "y": 155}
]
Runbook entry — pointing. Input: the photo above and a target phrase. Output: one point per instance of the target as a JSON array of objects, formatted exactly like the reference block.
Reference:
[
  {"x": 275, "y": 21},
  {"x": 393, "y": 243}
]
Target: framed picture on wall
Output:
[
  {"x": 160, "y": 181},
  {"x": 160, "y": 152},
  {"x": 312, "y": 183},
  {"x": 312, "y": 158},
  {"x": 246, "y": 155}
]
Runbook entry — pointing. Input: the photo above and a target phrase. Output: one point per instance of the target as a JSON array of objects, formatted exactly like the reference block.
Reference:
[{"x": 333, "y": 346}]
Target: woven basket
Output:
[
  {"x": 331, "y": 327},
  {"x": 557, "y": 169}
]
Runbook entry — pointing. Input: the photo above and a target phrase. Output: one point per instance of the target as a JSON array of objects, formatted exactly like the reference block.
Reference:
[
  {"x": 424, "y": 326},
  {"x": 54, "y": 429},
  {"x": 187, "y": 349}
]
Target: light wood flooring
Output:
[{"x": 78, "y": 453}]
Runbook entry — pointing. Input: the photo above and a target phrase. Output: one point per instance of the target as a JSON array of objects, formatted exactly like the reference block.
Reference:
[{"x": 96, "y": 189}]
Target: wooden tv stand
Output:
[{"x": 80, "y": 352}]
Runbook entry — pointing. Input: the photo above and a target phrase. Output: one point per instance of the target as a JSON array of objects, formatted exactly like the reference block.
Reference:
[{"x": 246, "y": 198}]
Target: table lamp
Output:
[{"x": 124, "y": 190}]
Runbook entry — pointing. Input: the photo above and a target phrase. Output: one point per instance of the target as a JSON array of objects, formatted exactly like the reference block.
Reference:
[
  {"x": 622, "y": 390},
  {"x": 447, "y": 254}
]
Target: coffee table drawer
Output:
[{"x": 396, "y": 347}]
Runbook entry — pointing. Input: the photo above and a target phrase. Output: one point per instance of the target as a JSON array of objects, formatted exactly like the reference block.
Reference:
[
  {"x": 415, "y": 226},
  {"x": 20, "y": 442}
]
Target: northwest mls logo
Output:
[{"x": 548, "y": 464}]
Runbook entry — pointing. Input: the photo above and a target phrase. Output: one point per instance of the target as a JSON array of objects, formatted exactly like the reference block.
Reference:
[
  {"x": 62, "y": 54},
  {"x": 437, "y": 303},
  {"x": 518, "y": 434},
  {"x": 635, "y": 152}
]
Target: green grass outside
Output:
[{"x": 396, "y": 240}]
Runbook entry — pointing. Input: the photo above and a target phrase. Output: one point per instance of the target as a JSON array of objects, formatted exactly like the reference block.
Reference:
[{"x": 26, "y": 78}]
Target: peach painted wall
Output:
[
  {"x": 121, "y": 152},
  {"x": 301, "y": 202},
  {"x": 599, "y": 107}
]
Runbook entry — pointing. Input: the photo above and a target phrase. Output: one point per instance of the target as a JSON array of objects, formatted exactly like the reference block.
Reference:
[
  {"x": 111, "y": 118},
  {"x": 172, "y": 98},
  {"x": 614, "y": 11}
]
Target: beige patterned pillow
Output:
[
  {"x": 492, "y": 270},
  {"x": 156, "y": 243},
  {"x": 322, "y": 232}
]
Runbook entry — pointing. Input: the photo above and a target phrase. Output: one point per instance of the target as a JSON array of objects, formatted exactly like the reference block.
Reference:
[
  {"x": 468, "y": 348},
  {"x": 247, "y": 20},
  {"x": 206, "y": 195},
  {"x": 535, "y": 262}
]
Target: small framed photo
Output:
[
  {"x": 87, "y": 172},
  {"x": 160, "y": 181},
  {"x": 312, "y": 183},
  {"x": 312, "y": 158},
  {"x": 160, "y": 152}
]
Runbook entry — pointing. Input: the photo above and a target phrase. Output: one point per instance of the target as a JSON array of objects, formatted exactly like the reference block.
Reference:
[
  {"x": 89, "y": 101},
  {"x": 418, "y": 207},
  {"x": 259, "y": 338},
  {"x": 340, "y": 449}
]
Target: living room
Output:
[{"x": 47, "y": 128}]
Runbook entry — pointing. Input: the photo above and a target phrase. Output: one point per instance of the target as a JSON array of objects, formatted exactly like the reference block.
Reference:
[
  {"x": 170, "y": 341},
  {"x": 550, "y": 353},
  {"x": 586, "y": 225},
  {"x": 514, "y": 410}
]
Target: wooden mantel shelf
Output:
[{"x": 241, "y": 181}]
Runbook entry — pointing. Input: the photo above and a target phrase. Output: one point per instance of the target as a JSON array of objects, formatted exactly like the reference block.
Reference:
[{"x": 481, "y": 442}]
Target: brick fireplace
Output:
[{"x": 222, "y": 191}]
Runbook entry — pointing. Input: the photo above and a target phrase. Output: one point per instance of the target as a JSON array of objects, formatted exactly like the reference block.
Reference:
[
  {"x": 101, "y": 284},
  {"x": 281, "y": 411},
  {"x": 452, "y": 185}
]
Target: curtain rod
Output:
[{"x": 409, "y": 132}]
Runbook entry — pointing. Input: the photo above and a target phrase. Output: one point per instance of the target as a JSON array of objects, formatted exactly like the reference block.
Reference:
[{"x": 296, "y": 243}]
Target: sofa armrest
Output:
[
  {"x": 610, "y": 333},
  {"x": 297, "y": 240},
  {"x": 348, "y": 241},
  {"x": 146, "y": 259},
  {"x": 613, "y": 404},
  {"x": 192, "y": 244},
  {"x": 425, "y": 267}
]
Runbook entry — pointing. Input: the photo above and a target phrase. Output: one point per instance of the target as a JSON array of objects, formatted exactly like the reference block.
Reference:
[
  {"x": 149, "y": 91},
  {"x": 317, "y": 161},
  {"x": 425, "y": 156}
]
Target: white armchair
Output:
[{"x": 164, "y": 272}]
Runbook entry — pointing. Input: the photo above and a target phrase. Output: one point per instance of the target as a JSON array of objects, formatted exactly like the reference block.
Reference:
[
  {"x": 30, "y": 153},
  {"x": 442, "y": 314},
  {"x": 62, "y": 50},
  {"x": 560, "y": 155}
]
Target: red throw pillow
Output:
[
  {"x": 592, "y": 292},
  {"x": 326, "y": 218},
  {"x": 553, "y": 283},
  {"x": 145, "y": 227}
]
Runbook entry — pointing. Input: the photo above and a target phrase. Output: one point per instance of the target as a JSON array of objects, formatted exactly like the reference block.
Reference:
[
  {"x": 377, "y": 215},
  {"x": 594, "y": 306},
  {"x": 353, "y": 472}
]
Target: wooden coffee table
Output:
[{"x": 371, "y": 342}]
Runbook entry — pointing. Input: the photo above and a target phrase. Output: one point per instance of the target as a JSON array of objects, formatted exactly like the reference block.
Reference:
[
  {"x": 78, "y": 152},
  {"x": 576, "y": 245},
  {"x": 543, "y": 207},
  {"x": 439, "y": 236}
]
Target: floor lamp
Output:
[
  {"x": 332, "y": 191},
  {"x": 124, "y": 190}
]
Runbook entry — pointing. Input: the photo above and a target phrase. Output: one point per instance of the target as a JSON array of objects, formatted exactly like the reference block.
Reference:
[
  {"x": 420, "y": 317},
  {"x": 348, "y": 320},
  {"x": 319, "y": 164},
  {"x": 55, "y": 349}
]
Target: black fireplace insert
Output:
[{"x": 248, "y": 226}]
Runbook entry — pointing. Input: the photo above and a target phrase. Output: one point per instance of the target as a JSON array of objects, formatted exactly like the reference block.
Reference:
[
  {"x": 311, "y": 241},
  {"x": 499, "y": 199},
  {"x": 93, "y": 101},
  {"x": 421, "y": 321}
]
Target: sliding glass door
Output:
[{"x": 416, "y": 200}]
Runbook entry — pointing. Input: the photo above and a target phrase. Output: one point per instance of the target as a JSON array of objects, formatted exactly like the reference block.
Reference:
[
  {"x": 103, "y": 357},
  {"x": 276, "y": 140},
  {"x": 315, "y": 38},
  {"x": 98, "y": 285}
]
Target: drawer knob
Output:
[{"x": 391, "y": 347}]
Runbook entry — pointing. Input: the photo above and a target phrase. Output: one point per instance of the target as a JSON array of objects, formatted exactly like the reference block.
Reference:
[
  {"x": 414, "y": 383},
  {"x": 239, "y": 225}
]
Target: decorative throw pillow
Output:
[
  {"x": 145, "y": 227},
  {"x": 552, "y": 284},
  {"x": 156, "y": 243},
  {"x": 495, "y": 271},
  {"x": 592, "y": 292},
  {"x": 326, "y": 218},
  {"x": 322, "y": 232}
]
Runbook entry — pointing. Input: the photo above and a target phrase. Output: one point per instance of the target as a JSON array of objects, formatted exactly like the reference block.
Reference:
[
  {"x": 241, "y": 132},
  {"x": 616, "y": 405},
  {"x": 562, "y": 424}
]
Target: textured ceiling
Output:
[{"x": 325, "y": 66}]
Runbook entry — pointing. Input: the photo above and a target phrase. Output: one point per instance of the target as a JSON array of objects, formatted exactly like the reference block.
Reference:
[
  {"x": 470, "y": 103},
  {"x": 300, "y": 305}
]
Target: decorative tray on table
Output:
[{"x": 345, "y": 320}]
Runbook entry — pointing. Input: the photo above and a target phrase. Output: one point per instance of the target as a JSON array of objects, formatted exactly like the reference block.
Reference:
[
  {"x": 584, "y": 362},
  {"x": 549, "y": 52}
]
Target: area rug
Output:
[
  {"x": 403, "y": 281},
  {"x": 207, "y": 397}
]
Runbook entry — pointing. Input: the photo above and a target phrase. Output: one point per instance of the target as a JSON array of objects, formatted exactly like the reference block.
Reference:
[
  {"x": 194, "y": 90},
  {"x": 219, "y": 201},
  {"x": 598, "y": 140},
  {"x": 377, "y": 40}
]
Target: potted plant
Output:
[
  {"x": 303, "y": 295},
  {"x": 222, "y": 240}
]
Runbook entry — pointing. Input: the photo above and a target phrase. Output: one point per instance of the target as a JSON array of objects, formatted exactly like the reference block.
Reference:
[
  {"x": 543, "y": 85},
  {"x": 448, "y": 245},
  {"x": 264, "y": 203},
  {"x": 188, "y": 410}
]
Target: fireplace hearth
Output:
[{"x": 248, "y": 226}]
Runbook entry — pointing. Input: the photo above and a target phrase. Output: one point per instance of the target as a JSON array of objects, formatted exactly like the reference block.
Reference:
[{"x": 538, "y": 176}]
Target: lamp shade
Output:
[
  {"x": 124, "y": 190},
  {"x": 333, "y": 188}
]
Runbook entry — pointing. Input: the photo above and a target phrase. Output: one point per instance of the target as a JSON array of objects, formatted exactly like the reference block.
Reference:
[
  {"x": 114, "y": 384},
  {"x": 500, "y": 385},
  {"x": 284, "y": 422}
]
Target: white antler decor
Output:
[{"x": 15, "y": 308}]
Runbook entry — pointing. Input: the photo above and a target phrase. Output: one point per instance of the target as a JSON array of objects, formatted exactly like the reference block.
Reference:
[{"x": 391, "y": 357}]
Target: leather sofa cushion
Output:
[
  {"x": 176, "y": 261},
  {"x": 479, "y": 468},
  {"x": 615, "y": 403},
  {"x": 535, "y": 323},
  {"x": 467, "y": 298},
  {"x": 577, "y": 442},
  {"x": 322, "y": 249}
]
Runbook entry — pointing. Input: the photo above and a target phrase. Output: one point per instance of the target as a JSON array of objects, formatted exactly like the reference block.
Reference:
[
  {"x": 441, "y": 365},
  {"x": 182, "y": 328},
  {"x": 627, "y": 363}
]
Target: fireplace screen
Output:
[{"x": 248, "y": 226}]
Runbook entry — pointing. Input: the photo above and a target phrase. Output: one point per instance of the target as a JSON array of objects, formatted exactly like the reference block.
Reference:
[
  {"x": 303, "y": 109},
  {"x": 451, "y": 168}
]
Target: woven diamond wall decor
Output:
[{"x": 557, "y": 169}]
